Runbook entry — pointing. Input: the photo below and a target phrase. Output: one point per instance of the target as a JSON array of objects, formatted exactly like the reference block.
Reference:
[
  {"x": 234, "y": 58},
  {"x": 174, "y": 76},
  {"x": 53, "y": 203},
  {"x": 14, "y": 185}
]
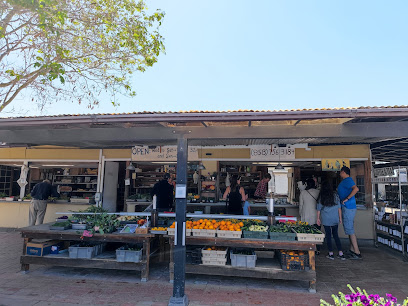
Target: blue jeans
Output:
[
  {"x": 245, "y": 208},
  {"x": 332, "y": 231}
]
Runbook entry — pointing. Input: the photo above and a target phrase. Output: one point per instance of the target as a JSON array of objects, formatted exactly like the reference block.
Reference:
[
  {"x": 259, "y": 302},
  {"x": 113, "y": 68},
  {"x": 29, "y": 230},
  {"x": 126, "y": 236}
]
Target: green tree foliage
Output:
[{"x": 75, "y": 50}]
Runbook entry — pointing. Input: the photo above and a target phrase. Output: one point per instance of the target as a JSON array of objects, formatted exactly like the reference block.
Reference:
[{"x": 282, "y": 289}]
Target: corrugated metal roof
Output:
[{"x": 288, "y": 111}]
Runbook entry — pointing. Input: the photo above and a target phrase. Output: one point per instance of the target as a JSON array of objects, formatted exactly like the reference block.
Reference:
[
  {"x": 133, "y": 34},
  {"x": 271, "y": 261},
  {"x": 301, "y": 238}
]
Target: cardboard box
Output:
[{"x": 36, "y": 248}]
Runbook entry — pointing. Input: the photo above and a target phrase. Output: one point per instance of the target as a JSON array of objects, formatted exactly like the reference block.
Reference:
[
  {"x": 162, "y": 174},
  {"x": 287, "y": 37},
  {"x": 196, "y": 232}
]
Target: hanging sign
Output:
[
  {"x": 161, "y": 153},
  {"x": 385, "y": 180},
  {"x": 334, "y": 164},
  {"x": 386, "y": 171},
  {"x": 272, "y": 153},
  {"x": 403, "y": 175}
]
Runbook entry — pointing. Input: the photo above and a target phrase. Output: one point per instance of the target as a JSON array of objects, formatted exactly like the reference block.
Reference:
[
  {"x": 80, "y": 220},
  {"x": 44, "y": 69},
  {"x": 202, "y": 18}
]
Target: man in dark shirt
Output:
[
  {"x": 40, "y": 194},
  {"x": 164, "y": 192}
]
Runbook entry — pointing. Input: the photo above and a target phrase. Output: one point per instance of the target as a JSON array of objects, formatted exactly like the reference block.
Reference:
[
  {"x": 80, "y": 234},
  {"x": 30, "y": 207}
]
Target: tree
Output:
[{"x": 75, "y": 50}]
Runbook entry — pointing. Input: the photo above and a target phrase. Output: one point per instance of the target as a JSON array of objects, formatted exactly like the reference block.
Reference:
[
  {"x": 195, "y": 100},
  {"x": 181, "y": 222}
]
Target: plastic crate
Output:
[
  {"x": 214, "y": 261},
  {"x": 77, "y": 251},
  {"x": 60, "y": 228},
  {"x": 294, "y": 262},
  {"x": 193, "y": 255},
  {"x": 255, "y": 235},
  {"x": 79, "y": 226},
  {"x": 282, "y": 236},
  {"x": 214, "y": 253},
  {"x": 123, "y": 255},
  {"x": 203, "y": 233},
  {"x": 241, "y": 260}
]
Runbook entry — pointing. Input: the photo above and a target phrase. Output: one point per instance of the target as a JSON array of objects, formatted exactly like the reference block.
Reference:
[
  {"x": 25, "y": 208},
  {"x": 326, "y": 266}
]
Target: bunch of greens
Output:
[
  {"x": 99, "y": 220},
  {"x": 62, "y": 224},
  {"x": 280, "y": 228},
  {"x": 306, "y": 229}
]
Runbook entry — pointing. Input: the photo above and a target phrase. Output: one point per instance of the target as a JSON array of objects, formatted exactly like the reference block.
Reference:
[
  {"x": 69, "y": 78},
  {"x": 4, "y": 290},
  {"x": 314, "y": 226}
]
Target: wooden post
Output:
[
  {"x": 368, "y": 184},
  {"x": 127, "y": 187},
  {"x": 312, "y": 264},
  {"x": 146, "y": 251},
  {"x": 25, "y": 267}
]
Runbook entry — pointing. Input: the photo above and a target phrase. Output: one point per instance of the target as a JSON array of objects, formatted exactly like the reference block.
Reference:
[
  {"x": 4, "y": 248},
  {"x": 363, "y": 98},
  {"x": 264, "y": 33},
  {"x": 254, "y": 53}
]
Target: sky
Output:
[{"x": 269, "y": 55}]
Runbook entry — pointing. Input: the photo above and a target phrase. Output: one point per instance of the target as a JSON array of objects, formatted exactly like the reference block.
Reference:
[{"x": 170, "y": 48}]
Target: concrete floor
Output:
[{"x": 379, "y": 273}]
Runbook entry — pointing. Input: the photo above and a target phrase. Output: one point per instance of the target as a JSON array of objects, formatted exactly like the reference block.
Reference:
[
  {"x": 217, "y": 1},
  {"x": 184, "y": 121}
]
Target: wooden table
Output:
[
  {"x": 269, "y": 270},
  {"x": 103, "y": 261}
]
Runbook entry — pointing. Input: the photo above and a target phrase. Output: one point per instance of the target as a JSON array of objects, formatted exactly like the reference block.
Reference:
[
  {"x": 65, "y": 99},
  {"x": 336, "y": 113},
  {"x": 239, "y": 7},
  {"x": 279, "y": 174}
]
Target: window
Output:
[{"x": 360, "y": 196}]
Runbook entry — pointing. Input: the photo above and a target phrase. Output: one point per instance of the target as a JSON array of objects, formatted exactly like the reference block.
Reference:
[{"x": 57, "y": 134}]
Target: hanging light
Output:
[
  {"x": 200, "y": 165},
  {"x": 279, "y": 165},
  {"x": 131, "y": 167}
]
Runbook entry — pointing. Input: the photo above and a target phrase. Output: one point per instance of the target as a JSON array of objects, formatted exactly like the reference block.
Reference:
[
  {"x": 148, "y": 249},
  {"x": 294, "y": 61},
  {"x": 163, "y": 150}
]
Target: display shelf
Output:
[
  {"x": 60, "y": 183},
  {"x": 84, "y": 191},
  {"x": 76, "y": 175}
]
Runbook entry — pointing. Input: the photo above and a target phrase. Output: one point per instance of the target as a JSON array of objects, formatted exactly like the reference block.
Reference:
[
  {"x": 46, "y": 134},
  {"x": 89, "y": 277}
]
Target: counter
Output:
[{"x": 15, "y": 214}]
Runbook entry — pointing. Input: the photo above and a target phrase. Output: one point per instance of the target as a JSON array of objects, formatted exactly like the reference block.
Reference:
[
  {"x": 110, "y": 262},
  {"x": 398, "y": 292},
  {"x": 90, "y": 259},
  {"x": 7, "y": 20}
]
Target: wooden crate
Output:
[
  {"x": 213, "y": 253},
  {"x": 229, "y": 234},
  {"x": 141, "y": 230},
  {"x": 203, "y": 233},
  {"x": 309, "y": 237}
]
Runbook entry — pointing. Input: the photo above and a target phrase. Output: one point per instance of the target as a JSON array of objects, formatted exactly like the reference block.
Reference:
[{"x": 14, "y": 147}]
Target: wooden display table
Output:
[
  {"x": 269, "y": 269},
  {"x": 106, "y": 260}
]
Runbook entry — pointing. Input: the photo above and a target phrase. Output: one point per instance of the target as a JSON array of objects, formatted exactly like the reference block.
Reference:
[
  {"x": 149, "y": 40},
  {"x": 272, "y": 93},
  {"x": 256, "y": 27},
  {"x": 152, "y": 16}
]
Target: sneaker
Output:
[
  {"x": 317, "y": 252},
  {"x": 342, "y": 257},
  {"x": 355, "y": 256},
  {"x": 330, "y": 256}
]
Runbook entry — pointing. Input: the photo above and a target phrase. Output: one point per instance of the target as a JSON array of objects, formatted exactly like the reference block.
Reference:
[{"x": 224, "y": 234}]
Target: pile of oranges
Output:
[{"x": 211, "y": 224}]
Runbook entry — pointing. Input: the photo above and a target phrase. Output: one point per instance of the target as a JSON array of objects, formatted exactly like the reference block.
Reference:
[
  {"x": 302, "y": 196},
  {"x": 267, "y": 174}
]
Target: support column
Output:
[{"x": 179, "y": 297}]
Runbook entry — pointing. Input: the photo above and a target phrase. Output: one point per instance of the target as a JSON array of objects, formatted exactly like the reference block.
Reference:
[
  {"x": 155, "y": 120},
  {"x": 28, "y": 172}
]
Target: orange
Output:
[
  {"x": 241, "y": 224},
  {"x": 229, "y": 223},
  {"x": 222, "y": 222},
  {"x": 213, "y": 221}
]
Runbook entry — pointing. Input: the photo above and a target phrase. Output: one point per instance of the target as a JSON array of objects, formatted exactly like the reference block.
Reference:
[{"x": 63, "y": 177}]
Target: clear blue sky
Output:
[{"x": 266, "y": 55}]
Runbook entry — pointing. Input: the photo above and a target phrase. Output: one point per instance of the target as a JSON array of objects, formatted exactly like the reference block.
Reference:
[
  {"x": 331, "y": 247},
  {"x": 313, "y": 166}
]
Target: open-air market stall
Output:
[{"x": 303, "y": 142}]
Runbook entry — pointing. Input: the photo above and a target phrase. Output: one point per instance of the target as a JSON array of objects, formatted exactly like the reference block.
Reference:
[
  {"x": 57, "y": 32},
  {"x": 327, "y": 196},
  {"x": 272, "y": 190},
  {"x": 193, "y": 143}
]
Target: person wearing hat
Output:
[
  {"x": 347, "y": 190},
  {"x": 164, "y": 192}
]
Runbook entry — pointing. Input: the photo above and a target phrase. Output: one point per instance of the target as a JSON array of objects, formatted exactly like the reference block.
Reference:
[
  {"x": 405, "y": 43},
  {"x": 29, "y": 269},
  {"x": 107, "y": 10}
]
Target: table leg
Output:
[
  {"x": 146, "y": 251},
  {"x": 162, "y": 250},
  {"x": 25, "y": 267},
  {"x": 312, "y": 264},
  {"x": 171, "y": 264}
]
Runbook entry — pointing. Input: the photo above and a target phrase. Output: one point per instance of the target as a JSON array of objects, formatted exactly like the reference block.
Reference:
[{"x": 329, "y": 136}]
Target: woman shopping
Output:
[
  {"x": 329, "y": 214},
  {"x": 236, "y": 197},
  {"x": 308, "y": 202}
]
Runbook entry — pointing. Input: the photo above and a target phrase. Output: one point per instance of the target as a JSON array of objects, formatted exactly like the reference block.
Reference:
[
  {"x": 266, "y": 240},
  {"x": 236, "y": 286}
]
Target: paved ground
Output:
[{"x": 380, "y": 272}]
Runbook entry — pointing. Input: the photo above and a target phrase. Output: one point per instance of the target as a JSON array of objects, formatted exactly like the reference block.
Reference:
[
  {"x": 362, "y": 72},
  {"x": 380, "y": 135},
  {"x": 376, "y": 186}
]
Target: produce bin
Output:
[
  {"x": 255, "y": 235},
  {"x": 214, "y": 253},
  {"x": 278, "y": 236},
  {"x": 294, "y": 262},
  {"x": 79, "y": 226},
  {"x": 171, "y": 231},
  {"x": 203, "y": 233},
  {"x": 60, "y": 228},
  {"x": 309, "y": 237},
  {"x": 241, "y": 260},
  {"x": 123, "y": 255},
  {"x": 76, "y": 251},
  {"x": 214, "y": 261},
  {"x": 193, "y": 256},
  {"x": 229, "y": 234}
]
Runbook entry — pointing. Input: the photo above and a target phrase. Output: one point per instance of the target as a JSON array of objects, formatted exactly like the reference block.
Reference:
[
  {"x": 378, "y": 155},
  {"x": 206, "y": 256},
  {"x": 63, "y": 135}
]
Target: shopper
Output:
[
  {"x": 235, "y": 196},
  {"x": 347, "y": 190},
  {"x": 262, "y": 188},
  {"x": 329, "y": 214},
  {"x": 38, "y": 207},
  {"x": 164, "y": 192},
  {"x": 308, "y": 202}
]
